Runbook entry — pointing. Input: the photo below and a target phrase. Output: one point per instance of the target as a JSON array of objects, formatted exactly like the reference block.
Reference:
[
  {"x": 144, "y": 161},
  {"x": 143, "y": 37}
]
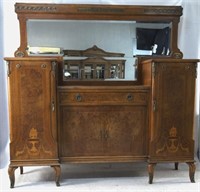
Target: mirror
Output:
[{"x": 129, "y": 38}]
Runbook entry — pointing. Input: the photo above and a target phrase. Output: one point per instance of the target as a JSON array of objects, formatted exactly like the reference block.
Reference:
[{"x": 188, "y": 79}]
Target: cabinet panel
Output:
[
  {"x": 173, "y": 95},
  {"x": 32, "y": 117},
  {"x": 104, "y": 130}
]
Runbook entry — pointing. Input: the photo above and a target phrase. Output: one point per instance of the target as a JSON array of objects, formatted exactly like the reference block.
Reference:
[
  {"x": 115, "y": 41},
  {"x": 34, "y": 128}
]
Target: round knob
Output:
[
  {"x": 78, "y": 97},
  {"x": 129, "y": 97}
]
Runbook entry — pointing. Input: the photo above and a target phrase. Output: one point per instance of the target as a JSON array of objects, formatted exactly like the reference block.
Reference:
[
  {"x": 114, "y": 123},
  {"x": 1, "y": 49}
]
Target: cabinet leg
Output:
[
  {"x": 11, "y": 173},
  {"x": 21, "y": 170},
  {"x": 192, "y": 169},
  {"x": 176, "y": 165},
  {"x": 151, "y": 172},
  {"x": 57, "y": 174}
]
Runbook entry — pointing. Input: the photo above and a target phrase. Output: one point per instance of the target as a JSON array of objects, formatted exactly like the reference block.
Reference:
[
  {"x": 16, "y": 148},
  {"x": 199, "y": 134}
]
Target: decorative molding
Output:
[
  {"x": 35, "y": 8},
  {"x": 163, "y": 11},
  {"x": 100, "y": 10}
]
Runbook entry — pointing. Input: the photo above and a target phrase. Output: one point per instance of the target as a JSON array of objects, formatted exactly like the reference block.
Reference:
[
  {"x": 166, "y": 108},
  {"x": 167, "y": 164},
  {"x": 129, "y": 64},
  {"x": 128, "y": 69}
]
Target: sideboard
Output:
[{"x": 84, "y": 111}]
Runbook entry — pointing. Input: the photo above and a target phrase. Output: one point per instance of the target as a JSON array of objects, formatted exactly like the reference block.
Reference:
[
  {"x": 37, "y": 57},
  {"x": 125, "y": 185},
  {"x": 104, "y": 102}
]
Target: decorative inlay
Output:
[
  {"x": 35, "y": 8},
  {"x": 33, "y": 145},
  {"x": 173, "y": 143}
]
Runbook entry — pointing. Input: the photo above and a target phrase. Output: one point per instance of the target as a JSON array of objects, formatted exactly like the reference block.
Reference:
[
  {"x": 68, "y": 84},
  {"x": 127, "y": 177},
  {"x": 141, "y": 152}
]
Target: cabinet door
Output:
[
  {"x": 173, "y": 111},
  {"x": 32, "y": 110},
  {"x": 125, "y": 131}
]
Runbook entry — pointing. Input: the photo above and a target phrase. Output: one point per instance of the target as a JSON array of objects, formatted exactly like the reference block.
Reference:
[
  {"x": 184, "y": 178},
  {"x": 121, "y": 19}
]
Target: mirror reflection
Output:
[{"x": 116, "y": 43}]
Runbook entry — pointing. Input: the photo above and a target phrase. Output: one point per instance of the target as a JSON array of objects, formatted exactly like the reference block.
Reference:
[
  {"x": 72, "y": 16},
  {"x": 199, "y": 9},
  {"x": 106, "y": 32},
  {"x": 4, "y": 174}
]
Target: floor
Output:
[{"x": 119, "y": 177}]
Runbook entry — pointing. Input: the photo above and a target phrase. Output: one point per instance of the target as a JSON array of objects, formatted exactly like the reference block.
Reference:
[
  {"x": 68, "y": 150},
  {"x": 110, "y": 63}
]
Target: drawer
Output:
[{"x": 103, "y": 97}]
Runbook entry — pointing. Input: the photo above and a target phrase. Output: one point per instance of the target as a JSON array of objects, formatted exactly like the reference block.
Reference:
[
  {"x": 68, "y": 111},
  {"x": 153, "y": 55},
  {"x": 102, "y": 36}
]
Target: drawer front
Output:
[{"x": 106, "y": 97}]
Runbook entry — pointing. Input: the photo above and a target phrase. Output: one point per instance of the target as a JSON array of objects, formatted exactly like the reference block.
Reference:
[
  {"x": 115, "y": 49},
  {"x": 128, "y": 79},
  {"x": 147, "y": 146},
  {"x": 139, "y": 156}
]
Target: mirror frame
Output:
[{"x": 26, "y": 11}]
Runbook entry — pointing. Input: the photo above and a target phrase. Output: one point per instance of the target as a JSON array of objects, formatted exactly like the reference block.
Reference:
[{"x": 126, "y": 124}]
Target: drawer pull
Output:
[
  {"x": 78, "y": 97},
  {"x": 129, "y": 97}
]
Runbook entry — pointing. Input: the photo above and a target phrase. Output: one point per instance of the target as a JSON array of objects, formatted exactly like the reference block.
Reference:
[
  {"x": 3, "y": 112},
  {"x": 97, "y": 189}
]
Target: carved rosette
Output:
[
  {"x": 177, "y": 55},
  {"x": 19, "y": 54}
]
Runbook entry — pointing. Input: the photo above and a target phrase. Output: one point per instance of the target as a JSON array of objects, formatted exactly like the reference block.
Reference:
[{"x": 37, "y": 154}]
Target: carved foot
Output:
[
  {"x": 176, "y": 165},
  {"x": 151, "y": 172},
  {"x": 11, "y": 173},
  {"x": 57, "y": 174},
  {"x": 192, "y": 169}
]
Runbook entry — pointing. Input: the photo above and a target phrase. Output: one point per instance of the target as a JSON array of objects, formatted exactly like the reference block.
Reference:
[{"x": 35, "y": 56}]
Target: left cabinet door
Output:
[{"x": 32, "y": 108}]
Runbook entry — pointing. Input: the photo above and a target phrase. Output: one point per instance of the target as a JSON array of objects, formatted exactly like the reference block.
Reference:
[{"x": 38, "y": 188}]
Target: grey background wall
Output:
[{"x": 3, "y": 100}]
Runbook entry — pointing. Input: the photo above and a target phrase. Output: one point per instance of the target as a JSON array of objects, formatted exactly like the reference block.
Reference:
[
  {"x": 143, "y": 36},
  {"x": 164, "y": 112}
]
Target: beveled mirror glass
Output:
[{"x": 129, "y": 38}]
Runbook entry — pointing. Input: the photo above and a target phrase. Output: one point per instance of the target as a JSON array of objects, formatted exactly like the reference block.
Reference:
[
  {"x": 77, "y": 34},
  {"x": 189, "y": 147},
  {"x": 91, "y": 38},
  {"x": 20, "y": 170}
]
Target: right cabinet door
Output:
[{"x": 173, "y": 92}]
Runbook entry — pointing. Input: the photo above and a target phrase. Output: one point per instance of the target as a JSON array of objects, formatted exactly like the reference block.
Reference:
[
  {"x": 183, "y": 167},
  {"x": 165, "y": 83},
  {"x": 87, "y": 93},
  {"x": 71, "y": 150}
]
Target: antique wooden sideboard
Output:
[{"x": 84, "y": 110}]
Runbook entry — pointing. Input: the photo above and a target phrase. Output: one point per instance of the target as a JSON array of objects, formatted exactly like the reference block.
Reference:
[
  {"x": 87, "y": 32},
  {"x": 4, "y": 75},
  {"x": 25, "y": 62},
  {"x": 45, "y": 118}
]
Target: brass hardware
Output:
[
  {"x": 153, "y": 69},
  {"x": 154, "y": 105},
  {"x": 8, "y": 68},
  {"x": 129, "y": 97},
  {"x": 43, "y": 66},
  {"x": 18, "y": 66},
  {"x": 78, "y": 97},
  {"x": 52, "y": 106},
  {"x": 53, "y": 64}
]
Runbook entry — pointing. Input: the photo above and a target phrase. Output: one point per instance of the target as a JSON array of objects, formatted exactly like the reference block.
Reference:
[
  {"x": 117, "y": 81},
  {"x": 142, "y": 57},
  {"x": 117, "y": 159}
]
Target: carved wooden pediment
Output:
[{"x": 92, "y": 52}]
